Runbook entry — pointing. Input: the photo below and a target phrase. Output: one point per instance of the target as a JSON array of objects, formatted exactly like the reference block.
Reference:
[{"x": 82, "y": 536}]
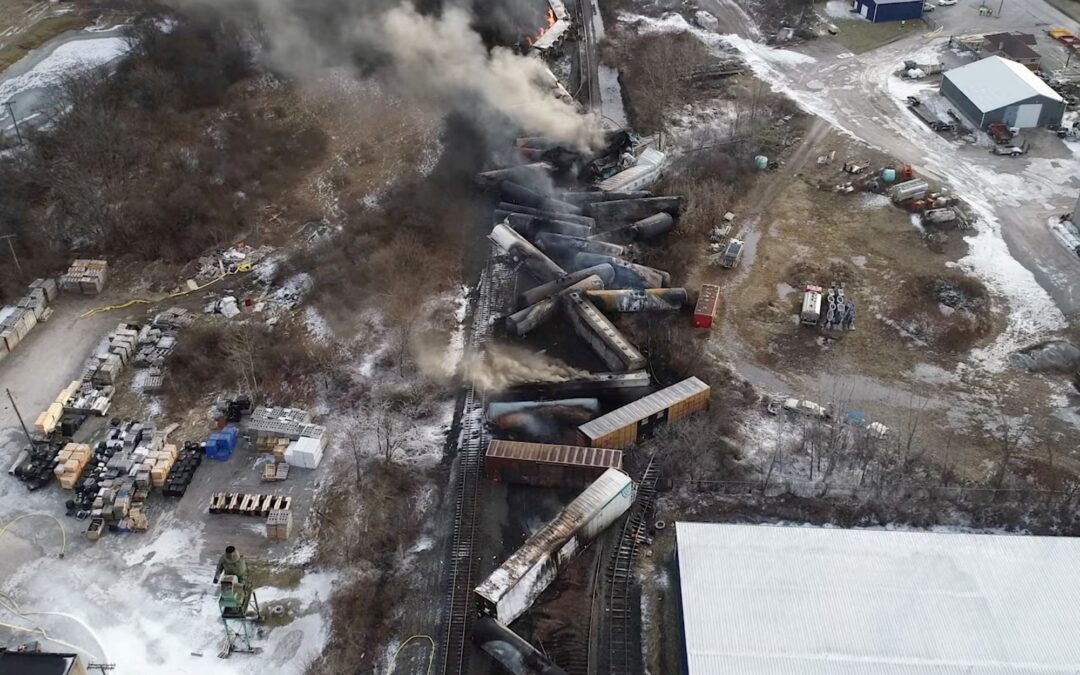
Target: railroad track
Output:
[
  {"x": 454, "y": 657},
  {"x": 586, "y": 66},
  {"x": 623, "y": 614}
]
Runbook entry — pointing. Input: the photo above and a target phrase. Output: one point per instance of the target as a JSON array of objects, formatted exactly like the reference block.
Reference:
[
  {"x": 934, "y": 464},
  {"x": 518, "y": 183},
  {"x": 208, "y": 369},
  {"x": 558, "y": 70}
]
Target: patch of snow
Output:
[
  {"x": 873, "y": 200},
  {"x": 611, "y": 101},
  {"x": 859, "y": 261},
  {"x": 841, "y": 9},
  {"x": 301, "y": 555},
  {"x": 316, "y": 325},
  {"x": 65, "y": 60}
]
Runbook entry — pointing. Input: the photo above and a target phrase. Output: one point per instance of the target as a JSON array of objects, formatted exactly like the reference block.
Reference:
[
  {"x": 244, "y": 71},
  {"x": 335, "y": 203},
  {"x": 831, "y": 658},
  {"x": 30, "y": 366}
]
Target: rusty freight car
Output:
[
  {"x": 548, "y": 465},
  {"x": 623, "y": 426}
]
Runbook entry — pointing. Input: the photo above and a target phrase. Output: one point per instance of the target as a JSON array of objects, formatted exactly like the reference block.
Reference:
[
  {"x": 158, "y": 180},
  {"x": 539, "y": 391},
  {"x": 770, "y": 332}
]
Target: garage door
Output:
[{"x": 1027, "y": 115}]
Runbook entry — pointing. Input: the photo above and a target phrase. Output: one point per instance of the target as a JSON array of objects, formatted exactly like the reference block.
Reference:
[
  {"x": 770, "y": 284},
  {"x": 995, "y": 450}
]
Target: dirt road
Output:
[{"x": 48, "y": 359}]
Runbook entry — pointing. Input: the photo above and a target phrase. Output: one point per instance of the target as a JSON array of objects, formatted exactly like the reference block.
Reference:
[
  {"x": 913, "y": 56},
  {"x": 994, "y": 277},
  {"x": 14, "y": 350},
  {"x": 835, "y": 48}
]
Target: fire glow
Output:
[{"x": 549, "y": 17}]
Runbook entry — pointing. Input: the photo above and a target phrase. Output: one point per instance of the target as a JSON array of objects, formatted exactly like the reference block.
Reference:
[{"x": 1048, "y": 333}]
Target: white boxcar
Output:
[{"x": 516, "y": 584}]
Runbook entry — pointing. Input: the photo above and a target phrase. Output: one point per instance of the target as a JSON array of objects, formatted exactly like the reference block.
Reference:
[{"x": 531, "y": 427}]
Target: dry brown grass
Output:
[{"x": 279, "y": 365}]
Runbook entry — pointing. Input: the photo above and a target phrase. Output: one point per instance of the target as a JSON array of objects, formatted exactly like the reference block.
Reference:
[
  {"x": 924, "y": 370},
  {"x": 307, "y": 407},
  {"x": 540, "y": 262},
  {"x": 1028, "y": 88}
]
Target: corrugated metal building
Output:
[
  {"x": 997, "y": 90},
  {"x": 889, "y": 10},
  {"x": 1017, "y": 47},
  {"x": 619, "y": 428},
  {"x": 512, "y": 588},
  {"x": 759, "y": 599},
  {"x": 548, "y": 465}
]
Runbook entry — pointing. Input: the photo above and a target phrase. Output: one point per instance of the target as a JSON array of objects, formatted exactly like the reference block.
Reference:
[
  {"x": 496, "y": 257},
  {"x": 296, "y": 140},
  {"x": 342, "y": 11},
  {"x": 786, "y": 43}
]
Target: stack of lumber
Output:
[
  {"x": 85, "y": 276},
  {"x": 70, "y": 463},
  {"x": 49, "y": 418},
  {"x": 161, "y": 463},
  {"x": 273, "y": 445}
]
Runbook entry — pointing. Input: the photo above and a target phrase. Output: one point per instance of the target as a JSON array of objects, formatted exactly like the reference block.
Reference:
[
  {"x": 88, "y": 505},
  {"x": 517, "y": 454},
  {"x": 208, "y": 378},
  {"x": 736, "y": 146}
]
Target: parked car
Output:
[
  {"x": 1012, "y": 150},
  {"x": 927, "y": 7},
  {"x": 913, "y": 101},
  {"x": 946, "y": 3},
  {"x": 808, "y": 408}
]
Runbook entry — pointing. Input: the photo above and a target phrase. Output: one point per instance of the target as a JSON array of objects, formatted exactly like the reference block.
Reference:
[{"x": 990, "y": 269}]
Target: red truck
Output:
[{"x": 999, "y": 132}]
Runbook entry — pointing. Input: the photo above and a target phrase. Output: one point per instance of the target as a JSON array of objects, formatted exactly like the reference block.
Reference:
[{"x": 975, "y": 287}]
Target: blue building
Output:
[{"x": 889, "y": 10}]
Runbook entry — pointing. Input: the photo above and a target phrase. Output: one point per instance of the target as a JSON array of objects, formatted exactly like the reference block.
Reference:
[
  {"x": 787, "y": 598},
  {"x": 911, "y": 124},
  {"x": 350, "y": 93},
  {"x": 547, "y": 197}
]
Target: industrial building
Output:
[
  {"x": 1017, "y": 47},
  {"x": 997, "y": 90},
  {"x": 760, "y": 599},
  {"x": 889, "y": 10}
]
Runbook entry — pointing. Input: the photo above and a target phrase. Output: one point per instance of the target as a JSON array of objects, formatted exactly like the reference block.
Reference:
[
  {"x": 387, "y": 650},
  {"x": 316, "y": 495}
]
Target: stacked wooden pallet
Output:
[
  {"x": 70, "y": 463},
  {"x": 248, "y": 504},
  {"x": 275, "y": 472}
]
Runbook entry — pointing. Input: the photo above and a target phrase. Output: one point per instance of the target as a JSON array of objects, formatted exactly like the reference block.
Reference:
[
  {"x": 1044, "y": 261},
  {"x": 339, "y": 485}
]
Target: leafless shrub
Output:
[
  {"x": 161, "y": 159},
  {"x": 655, "y": 72},
  {"x": 274, "y": 365}
]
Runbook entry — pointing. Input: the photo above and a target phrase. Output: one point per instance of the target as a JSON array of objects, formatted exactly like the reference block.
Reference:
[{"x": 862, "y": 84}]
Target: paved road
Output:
[{"x": 27, "y": 103}]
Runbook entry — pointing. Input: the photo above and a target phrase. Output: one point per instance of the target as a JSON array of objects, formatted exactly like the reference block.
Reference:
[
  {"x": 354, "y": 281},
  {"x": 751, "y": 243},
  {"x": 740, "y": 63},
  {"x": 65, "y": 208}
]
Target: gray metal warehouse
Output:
[
  {"x": 769, "y": 600},
  {"x": 997, "y": 90}
]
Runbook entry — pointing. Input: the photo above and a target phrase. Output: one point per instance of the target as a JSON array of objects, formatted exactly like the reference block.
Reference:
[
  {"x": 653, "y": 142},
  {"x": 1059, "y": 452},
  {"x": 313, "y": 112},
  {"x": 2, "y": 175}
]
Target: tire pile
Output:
[{"x": 183, "y": 470}]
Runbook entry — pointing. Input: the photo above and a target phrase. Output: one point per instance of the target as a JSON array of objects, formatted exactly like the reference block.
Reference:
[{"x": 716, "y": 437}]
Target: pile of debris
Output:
[
  {"x": 228, "y": 260},
  {"x": 85, "y": 276},
  {"x": 157, "y": 339}
]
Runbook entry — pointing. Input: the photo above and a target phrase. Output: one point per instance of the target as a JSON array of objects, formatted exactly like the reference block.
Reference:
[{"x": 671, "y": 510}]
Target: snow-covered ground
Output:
[
  {"x": 65, "y": 60},
  {"x": 147, "y": 604},
  {"x": 860, "y": 96}
]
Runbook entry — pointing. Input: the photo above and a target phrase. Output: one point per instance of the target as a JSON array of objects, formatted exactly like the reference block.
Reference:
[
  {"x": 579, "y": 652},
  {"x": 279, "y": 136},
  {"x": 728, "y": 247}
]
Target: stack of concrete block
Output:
[
  {"x": 15, "y": 323},
  {"x": 278, "y": 422},
  {"x": 48, "y": 286},
  {"x": 85, "y": 276},
  {"x": 70, "y": 463},
  {"x": 305, "y": 453},
  {"x": 279, "y": 525},
  {"x": 89, "y": 398},
  {"x": 35, "y": 301}
]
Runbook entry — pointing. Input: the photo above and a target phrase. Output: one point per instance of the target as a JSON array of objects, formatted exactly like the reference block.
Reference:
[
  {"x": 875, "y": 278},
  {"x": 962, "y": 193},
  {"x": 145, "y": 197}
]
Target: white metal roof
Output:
[
  {"x": 995, "y": 82},
  {"x": 797, "y": 600},
  {"x": 642, "y": 408}
]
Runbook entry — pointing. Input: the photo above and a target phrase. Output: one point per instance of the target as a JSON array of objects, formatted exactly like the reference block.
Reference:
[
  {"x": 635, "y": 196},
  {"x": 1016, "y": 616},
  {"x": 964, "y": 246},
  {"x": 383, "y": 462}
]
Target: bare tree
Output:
[{"x": 383, "y": 424}]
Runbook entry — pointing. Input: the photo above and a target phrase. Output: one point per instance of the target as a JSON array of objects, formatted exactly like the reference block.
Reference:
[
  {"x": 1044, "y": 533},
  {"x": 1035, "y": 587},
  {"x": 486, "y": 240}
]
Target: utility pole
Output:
[
  {"x": 21, "y": 423},
  {"x": 11, "y": 247},
  {"x": 14, "y": 121},
  {"x": 1000, "y": 6}
]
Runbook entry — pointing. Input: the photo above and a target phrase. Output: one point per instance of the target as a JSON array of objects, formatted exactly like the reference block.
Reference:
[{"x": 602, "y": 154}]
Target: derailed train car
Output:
[
  {"x": 548, "y": 465},
  {"x": 630, "y": 423},
  {"x": 512, "y": 588}
]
